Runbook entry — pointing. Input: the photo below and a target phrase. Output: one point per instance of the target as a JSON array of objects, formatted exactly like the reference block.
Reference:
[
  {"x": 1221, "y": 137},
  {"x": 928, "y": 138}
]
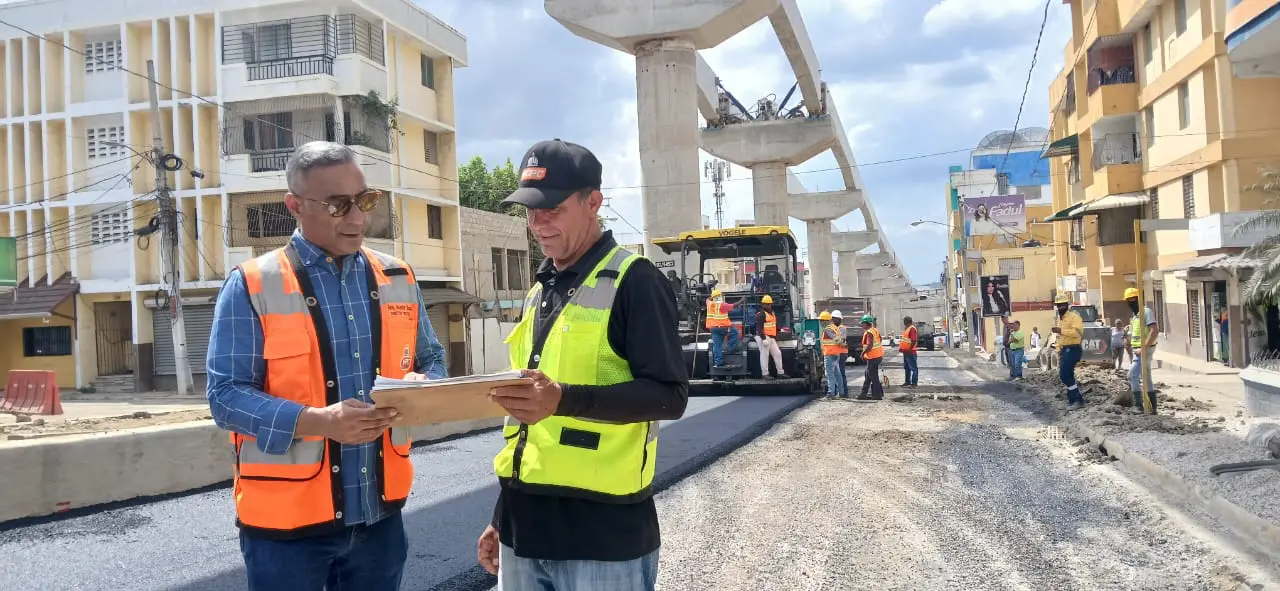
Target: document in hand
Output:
[{"x": 459, "y": 398}]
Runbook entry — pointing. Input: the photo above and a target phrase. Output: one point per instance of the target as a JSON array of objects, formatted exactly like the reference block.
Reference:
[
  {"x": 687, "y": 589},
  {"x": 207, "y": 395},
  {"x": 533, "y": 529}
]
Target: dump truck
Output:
[{"x": 852, "y": 308}]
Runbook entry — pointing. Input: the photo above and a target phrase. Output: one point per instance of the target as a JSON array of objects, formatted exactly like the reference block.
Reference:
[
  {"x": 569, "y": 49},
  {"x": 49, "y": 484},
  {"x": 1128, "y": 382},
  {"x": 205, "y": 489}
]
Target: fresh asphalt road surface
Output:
[{"x": 190, "y": 542}]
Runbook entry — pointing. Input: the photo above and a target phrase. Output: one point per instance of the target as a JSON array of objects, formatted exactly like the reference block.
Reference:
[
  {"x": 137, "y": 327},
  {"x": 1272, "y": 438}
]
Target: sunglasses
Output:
[{"x": 340, "y": 205}]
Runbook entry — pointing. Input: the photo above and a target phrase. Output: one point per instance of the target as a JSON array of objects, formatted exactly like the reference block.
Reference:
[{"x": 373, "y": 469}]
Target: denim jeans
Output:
[
  {"x": 871, "y": 379},
  {"x": 1135, "y": 386},
  {"x": 911, "y": 363},
  {"x": 1070, "y": 356},
  {"x": 718, "y": 344},
  {"x": 837, "y": 383},
  {"x": 1019, "y": 359},
  {"x": 530, "y": 574},
  {"x": 365, "y": 557}
]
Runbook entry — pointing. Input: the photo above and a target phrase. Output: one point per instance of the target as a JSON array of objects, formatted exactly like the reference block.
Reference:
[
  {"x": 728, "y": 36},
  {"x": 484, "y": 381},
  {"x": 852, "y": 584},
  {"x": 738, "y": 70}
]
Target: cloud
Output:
[{"x": 909, "y": 79}]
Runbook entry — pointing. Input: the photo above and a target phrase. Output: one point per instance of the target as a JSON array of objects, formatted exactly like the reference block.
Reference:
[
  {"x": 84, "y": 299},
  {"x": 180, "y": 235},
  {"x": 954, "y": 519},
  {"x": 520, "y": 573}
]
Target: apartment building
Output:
[
  {"x": 241, "y": 85},
  {"x": 1004, "y": 163},
  {"x": 1150, "y": 121}
]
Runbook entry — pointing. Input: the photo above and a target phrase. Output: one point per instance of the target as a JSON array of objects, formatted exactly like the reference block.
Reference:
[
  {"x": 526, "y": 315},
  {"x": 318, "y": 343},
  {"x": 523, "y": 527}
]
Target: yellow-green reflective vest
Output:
[
  {"x": 1135, "y": 325},
  {"x": 568, "y": 456}
]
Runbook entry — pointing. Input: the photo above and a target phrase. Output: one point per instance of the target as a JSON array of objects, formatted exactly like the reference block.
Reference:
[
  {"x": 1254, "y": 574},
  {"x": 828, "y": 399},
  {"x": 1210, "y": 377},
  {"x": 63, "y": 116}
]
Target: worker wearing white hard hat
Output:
[
  {"x": 834, "y": 350},
  {"x": 766, "y": 331}
]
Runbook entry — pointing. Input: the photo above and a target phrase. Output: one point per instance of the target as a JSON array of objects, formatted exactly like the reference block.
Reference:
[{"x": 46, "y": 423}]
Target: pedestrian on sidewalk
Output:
[
  {"x": 909, "y": 349},
  {"x": 1035, "y": 337},
  {"x": 1070, "y": 330},
  {"x": 873, "y": 353},
  {"x": 1140, "y": 369},
  {"x": 319, "y": 475},
  {"x": 834, "y": 349},
  {"x": 1119, "y": 344},
  {"x": 766, "y": 329},
  {"x": 1017, "y": 350},
  {"x": 575, "y": 507}
]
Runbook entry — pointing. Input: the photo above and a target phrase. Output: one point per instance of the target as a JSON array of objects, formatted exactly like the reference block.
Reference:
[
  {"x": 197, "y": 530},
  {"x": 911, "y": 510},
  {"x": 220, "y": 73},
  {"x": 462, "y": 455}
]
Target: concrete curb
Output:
[
  {"x": 1258, "y": 531},
  {"x": 58, "y": 474}
]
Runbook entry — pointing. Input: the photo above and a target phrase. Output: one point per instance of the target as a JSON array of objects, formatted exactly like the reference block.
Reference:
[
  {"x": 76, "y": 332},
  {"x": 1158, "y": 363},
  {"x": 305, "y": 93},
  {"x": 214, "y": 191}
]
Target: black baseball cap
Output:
[{"x": 553, "y": 170}]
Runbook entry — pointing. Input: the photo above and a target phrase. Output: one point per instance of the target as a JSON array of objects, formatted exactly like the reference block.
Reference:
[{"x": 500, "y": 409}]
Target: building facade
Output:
[
  {"x": 241, "y": 85},
  {"x": 495, "y": 251},
  {"x": 1025, "y": 256},
  {"x": 1151, "y": 121}
]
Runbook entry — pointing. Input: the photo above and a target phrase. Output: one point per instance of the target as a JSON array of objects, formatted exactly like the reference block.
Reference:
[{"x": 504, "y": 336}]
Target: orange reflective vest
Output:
[
  {"x": 871, "y": 348},
  {"x": 717, "y": 315},
  {"x": 299, "y": 493},
  {"x": 834, "y": 345},
  {"x": 770, "y": 324},
  {"x": 907, "y": 344}
]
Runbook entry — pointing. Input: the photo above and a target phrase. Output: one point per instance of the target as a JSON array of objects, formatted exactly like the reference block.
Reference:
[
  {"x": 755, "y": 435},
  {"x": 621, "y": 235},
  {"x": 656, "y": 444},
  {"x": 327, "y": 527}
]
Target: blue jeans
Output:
[
  {"x": 365, "y": 557},
  {"x": 1019, "y": 359},
  {"x": 530, "y": 574},
  {"x": 911, "y": 362},
  {"x": 718, "y": 345},
  {"x": 1070, "y": 356},
  {"x": 1135, "y": 386},
  {"x": 837, "y": 382}
]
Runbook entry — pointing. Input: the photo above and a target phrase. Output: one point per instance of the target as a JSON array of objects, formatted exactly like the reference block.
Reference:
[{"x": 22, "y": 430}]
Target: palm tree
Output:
[{"x": 1264, "y": 286}]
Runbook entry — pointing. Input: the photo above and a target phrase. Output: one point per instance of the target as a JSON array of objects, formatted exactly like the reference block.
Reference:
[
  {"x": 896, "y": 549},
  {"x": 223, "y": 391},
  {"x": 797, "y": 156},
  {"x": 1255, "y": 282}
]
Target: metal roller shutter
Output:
[
  {"x": 439, "y": 317},
  {"x": 199, "y": 323}
]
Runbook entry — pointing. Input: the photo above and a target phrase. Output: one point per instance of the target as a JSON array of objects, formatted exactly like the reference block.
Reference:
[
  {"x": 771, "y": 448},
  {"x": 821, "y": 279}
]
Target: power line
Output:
[{"x": 1035, "y": 55}]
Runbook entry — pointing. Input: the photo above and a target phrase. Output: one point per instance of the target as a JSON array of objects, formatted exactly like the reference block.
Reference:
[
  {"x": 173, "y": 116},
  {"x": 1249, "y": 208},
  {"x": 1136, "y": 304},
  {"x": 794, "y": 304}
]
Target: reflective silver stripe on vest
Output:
[
  {"x": 272, "y": 298},
  {"x": 403, "y": 289},
  {"x": 300, "y": 453},
  {"x": 400, "y": 436},
  {"x": 601, "y": 295}
]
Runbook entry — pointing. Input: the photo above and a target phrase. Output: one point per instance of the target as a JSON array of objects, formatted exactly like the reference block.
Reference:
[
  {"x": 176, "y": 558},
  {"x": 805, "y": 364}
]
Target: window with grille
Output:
[
  {"x": 1149, "y": 125},
  {"x": 515, "y": 268},
  {"x": 431, "y": 147},
  {"x": 1193, "y": 312},
  {"x": 46, "y": 341},
  {"x": 1077, "y": 234},
  {"x": 1188, "y": 197},
  {"x": 1160, "y": 315},
  {"x": 109, "y": 227},
  {"x": 1184, "y": 106},
  {"x": 1013, "y": 268},
  {"x": 1148, "y": 44},
  {"x": 1154, "y": 204},
  {"x": 101, "y": 56},
  {"x": 104, "y": 142},
  {"x": 435, "y": 222},
  {"x": 270, "y": 220},
  {"x": 1180, "y": 16},
  {"x": 428, "y": 71}
]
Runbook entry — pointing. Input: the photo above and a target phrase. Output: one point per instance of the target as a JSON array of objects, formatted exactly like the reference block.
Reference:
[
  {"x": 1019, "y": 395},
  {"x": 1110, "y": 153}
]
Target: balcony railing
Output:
[
  {"x": 1117, "y": 148},
  {"x": 301, "y": 46},
  {"x": 290, "y": 67},
  {"x": 268, "y": 128},
  {"x": 269, "y": 160},
  {"x": 1111, "y": 62}
]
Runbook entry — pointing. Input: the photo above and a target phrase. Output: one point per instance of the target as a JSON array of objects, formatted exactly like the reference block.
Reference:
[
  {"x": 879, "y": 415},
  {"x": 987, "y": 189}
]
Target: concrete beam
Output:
[
  {"x": 851, "y": 242},
  {"x": 626, "y": 25},
  {"x": 872, "y": 260},
  {"x": 794, "y": 38},
  {"x": 708, "y": 96},
  {"x": 824, "y": 205},
  {"x": 789, "y": 141}
]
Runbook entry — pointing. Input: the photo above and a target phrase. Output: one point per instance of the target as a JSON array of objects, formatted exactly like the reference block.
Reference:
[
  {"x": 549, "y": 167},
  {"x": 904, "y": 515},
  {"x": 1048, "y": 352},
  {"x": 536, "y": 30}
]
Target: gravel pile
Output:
[{"x": 925, "y": 496}]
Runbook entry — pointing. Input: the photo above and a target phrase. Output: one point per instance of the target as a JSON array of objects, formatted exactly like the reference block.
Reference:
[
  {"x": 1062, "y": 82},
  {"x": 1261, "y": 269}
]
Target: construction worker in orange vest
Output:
[
  {"x": 766, "y": 333},
  {"x": 909, "y": 348},
  {"x": 721, "y": 328},
  {"x": 299, "y": 334},
  {"x": 834, "y": 348},
  {"x": 873, "y": 353}
]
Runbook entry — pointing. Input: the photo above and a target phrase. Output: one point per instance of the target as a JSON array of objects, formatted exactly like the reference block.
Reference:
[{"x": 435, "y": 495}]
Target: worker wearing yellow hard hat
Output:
[
  {"x": 1070, "y": 331},
  {"x": 1141, "y": 341},
  {"x": 824, "y": 315},
  {"x": 724, "y": 335},
  {"x": 834, "y": 348},
  {"x": 766, "y": 332}
]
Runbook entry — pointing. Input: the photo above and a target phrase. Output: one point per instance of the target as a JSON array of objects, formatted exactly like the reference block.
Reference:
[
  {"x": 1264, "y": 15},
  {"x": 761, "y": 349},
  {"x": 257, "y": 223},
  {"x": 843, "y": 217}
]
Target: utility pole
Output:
[
  {"x": 169, "y": 275},
  {"x": 968, "y": 304},
  {"x": 717, "y": 170}
]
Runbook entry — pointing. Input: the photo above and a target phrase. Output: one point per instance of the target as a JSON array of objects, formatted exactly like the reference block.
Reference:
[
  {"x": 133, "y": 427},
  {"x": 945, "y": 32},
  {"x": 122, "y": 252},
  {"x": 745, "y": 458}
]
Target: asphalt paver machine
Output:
[{"x": 724, "y": 258}]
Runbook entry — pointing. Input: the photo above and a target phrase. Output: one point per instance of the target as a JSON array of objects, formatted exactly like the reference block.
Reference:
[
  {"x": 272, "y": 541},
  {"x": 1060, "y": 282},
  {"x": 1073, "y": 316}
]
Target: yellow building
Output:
[
  {"x": 240, "y": 89},
  {"x": 1149, "y": 121}
]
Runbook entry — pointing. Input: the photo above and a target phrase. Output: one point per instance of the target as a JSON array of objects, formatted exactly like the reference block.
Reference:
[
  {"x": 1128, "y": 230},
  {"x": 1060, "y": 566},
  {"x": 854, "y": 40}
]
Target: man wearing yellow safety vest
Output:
[
  {"x": 766, "y": 338},
  {"x": 720, "y": 327},
  {"x": 834, "y": 348},
  {"x": 873, "y": 353},
  {"x": 1070, "y": 330},
  {"x": 599, "y": 336},
  {"x": 1140, "y": 367}
]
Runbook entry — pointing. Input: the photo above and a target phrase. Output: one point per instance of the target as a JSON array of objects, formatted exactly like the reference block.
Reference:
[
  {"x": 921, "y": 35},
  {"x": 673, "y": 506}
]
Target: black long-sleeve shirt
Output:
[{"x": 643, "y": 331}]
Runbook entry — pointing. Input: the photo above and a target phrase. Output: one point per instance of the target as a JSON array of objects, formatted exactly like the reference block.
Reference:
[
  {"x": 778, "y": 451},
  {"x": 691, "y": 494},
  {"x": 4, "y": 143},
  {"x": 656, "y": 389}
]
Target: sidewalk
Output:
[
  {"x": 1200, "y": 424},
  {"x": 96, "y": 414}
]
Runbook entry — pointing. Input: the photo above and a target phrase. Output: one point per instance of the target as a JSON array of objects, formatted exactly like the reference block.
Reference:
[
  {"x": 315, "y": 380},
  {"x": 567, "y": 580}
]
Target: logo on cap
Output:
[{"x": 533, "y": 172}]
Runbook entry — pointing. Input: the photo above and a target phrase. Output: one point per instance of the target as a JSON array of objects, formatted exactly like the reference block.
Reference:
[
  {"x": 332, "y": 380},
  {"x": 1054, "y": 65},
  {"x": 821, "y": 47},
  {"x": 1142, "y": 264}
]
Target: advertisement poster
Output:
[
  {"x": 995, "y": 215},
  {"x": 994, "y": 291}
]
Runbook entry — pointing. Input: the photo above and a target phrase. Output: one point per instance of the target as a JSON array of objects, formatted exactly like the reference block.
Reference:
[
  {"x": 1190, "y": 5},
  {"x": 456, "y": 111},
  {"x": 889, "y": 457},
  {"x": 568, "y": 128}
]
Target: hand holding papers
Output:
[
  {"x": 531, "y": 402},
  {"x": 460, "y": 398}
]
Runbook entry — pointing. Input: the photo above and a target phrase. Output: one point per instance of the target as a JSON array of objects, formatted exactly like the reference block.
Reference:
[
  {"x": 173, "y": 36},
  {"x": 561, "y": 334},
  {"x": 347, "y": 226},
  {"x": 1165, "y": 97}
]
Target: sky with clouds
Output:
[{"x": 910, "y": 78}]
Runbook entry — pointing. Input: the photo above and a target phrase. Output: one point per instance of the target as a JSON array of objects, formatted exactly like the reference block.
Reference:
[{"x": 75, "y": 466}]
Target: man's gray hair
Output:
[{"x": 313, "y": 155}]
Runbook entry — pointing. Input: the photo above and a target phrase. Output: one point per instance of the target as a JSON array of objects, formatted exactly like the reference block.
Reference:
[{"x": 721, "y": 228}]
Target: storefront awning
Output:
[
  {"x": 1115, "y": 201},
  {"x": 37, "y": 301},
  {"x": 1201, "y": 262},
  {"x": 447, "y": 295},
  {"x": 1069, "y": 213},
  {"x": 1066, "y": 146}
]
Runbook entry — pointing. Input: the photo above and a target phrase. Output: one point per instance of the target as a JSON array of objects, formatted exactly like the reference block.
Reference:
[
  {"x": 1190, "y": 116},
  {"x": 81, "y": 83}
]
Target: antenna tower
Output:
[{"x": 717, "y": 171}]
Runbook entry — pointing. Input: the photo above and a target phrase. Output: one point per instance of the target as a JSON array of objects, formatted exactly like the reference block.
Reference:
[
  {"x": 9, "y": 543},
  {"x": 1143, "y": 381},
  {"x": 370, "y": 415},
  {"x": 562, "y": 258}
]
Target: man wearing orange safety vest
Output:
[
  {"x": 721, "y": 328},
  {"x": 873, "y": 353},
  {"x": 908, "y": 347},
  {"x": 298, "y": 336},
  {"x": 834, "y": 348},
  {"x": 766, "y": 333}
]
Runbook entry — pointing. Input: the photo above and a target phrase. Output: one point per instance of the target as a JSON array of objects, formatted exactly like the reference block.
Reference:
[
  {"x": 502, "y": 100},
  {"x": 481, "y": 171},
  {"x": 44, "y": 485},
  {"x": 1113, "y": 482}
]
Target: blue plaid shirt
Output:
[{"x": 236, "y": 368}]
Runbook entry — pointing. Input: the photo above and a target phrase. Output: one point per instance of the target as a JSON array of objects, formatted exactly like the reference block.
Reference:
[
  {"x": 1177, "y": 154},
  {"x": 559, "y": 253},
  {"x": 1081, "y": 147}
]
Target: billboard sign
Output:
[
  {"x": 993, "y": 292},
  {"x": 8, "y": 262},
  {"x": 995, "y": 215}
]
